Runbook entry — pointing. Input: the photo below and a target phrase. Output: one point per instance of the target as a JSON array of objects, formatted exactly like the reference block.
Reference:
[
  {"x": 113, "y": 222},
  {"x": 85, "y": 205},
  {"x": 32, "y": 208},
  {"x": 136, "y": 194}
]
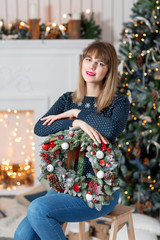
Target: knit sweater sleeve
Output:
[
  {"x": 109, "y": 126},
  {"x": 58, "y": 125}
]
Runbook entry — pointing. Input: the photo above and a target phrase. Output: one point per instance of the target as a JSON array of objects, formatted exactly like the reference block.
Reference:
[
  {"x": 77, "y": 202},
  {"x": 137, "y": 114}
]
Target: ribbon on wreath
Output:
[
  {"x": 71, "y": 157},
  {"x": 157, "y": 145}
]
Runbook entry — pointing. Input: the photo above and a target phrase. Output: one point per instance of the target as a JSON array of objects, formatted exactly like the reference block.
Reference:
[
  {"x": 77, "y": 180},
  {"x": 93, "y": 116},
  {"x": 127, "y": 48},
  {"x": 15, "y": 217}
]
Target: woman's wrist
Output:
[
  {"x": 75, "y": 123},
  {"x": 76, "y": 112}
]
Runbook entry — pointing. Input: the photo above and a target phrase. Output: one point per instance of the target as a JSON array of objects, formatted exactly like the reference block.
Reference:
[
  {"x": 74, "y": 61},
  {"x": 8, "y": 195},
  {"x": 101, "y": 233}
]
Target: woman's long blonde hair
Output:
[{"x": 106, "y": 52}]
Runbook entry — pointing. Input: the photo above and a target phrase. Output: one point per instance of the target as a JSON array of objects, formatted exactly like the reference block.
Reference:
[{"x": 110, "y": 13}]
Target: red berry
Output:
[
  {"x": 94, "y": 145},
  {"x": 57, "y": 152},
  {"x": 45, "y": 146},
  {"x": 71, "y": 134},
  {"x": 52, "y": 144},
  {"x": 94, "y": 200},
  {"x": 47, "y": 161},
  {"x": 102, "y": 162},
  {"x": 89, "y": 192},
  {"x": 93, "y": 153},
  {"x": 60, "y": 136},
  {"x": 107, "y": 164},
  {"x": 52, "y": 156}
]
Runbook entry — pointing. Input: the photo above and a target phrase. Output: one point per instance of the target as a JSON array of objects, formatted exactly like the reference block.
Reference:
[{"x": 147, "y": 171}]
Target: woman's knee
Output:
[{"x": 34, "y": 209}]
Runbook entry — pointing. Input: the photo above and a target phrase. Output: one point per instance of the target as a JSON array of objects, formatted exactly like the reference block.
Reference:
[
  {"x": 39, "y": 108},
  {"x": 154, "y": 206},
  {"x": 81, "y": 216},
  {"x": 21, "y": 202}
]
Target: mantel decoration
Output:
[
  {"x": 79, "y": 26},
  {"x": 58, "y": 154}
]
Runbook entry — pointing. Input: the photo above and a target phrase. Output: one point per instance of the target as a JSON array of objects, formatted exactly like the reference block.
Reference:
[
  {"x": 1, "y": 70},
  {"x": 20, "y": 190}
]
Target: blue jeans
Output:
[{"x": 46, "y": 214}]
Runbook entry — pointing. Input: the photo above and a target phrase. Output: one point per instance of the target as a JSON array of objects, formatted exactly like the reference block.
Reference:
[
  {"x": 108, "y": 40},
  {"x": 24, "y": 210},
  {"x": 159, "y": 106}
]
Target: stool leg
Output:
[
  {"x": 130, "y": 228},
  {"x": 114, "y": 229},
  {"x": 82, "y": 231},
  {"x": 64, "y": 226}
]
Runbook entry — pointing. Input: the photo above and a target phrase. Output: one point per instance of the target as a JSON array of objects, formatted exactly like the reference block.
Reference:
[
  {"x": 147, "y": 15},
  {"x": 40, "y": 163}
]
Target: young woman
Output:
[{"x": 99, "y": 111}]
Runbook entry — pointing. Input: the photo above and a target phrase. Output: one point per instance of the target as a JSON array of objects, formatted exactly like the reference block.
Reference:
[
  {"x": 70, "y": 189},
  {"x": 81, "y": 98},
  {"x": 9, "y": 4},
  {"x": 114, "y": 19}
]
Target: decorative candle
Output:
[
  {"x": 76, "y": 16},
  {"x": 1, "y": 25},
  {"x": 33, "y": 11}
]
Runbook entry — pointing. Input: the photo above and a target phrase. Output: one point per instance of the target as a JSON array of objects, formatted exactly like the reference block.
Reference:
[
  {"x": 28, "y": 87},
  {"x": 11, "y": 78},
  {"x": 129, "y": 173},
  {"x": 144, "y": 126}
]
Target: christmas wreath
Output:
[{"x": 58, "y": 153}]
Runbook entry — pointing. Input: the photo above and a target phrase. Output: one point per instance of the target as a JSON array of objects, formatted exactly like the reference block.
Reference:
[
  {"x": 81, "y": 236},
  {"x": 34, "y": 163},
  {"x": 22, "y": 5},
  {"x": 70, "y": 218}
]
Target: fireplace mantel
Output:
[{"x": 35, "y": 73}]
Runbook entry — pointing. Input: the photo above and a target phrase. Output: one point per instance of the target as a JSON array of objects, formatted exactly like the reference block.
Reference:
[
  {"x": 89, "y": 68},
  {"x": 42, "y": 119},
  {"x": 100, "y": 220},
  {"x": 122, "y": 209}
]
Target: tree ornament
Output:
[
  {"x": 52, "y": 144},
  {"x": 71, "y": 133},
  {"x": 76, "y": 188},
  {"x": 100, "y": 174},
  {"x": 107, "y": 164},
  {"x": 50, "y": 168},
  {"x": 60, "y": 136},
  {"x": 140, "y": 60},
  {"x": 45, "y": 146},
  {"x": 57, "y": 151},
  {"x": 89, "y": 197},
  {"x": 94, "y": 145},
  {"x": 102, "y": 162},
  {"x": 63, "y": 178},
  {"x": 89, "y": 148},
  {"x": 155, "y": 96},
  {"x": 60, "y": 163},
  {"x": 65, "y": 146},
  {"x": 99, "y": 154}
]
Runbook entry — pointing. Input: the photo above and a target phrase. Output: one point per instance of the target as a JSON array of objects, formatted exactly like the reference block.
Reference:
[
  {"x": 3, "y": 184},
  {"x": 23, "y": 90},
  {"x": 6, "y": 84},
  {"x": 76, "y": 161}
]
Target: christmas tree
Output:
[{"x": 139, "y": 75}]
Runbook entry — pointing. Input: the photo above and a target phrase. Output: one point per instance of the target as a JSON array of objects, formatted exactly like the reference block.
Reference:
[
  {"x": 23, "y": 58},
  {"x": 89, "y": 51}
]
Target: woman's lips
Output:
[{"x": 90, "y": 73}]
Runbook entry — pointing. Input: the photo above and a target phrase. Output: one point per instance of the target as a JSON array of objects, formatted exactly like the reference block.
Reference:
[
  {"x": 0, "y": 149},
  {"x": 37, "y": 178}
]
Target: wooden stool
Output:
[{"x": 114, "y": 221}]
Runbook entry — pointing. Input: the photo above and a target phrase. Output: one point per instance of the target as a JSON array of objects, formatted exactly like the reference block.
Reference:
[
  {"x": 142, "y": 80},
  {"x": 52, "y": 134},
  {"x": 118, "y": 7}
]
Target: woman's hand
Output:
[
  {"x": 73, "y": 113},
  {"x": 92, "y": 132}
]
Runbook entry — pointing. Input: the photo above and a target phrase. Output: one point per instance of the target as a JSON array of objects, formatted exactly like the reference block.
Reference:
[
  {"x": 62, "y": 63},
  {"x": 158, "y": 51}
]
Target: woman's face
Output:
[{"x": 93, "y": 70}]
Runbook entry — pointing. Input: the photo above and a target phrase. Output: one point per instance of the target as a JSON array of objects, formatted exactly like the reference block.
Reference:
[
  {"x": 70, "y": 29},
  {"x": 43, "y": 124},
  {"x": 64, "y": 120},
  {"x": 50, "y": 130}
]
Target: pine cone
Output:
[
  {"x": 106, "y": 197},
  {"x": 53, "y": 178},
  {"x": 109, "y": 176},
  {"x": 58, "y": 186}
]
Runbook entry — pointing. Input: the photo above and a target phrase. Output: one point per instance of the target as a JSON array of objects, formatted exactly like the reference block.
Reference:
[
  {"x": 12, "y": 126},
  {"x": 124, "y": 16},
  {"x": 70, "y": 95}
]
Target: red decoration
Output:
[
  {"x": 76, "y": 188},
  {"x": 52, "y": 144},
  {"x": 102, "y": 162},
  {"x": 57, "y": 152},
  {"x": 93, "y": 153},
  {"x": 103, "y": 147},
  {"x": 89, "y": 192},
  {"x": 47, "y": 161},
  {"x": 94, "y": 145},
  {"x": 71, "y": 134},
  {"x": 60, "y": 136},
  {"x": 45, "y": 155},
  {"x": 107, "y": 164},
  {"x": 45, "y": 146},
  {"x": 52, "y": 156},
  {"x": 94, "y": 200}
]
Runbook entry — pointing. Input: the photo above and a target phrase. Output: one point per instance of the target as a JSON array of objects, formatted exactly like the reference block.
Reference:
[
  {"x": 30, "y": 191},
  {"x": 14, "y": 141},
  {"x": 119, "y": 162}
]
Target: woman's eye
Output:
[
  {"x": 101, "y": 64},
  {"x": 88, "y": 59}
]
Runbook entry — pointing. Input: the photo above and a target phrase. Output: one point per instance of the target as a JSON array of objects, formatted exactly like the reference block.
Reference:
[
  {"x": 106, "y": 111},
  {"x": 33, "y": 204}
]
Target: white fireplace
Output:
[{"x": 33, "y": 75}]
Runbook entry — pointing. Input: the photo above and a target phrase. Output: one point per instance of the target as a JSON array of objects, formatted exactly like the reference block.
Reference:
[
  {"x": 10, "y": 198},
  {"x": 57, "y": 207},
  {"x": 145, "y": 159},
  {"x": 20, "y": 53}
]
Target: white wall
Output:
[{"x": 110, "y": 14}]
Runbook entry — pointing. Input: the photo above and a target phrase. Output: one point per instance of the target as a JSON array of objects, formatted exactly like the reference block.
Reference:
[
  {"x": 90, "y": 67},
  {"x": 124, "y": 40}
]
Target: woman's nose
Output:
[{"x": 93, "y": 65}]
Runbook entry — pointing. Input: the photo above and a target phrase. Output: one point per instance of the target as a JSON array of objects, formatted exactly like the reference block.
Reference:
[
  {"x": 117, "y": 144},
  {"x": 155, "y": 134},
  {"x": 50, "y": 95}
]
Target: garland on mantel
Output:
[
  {"x": 20, "y": 30},
  {"x": 58, "y": 154}
]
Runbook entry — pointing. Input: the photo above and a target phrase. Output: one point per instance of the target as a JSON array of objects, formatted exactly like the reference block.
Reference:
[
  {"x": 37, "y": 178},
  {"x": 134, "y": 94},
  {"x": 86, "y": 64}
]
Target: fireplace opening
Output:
[{"x": 17, "y": 154}]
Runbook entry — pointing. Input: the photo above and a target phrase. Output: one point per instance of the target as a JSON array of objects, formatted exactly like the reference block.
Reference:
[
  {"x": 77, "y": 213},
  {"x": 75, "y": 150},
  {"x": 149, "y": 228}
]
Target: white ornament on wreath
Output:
[
  {"x": 89, "y": 197},
  {"x": 65, "y": 146},
  {"x": 100, "y": 174},
  {"x": 99, "y": 154},
  {"x": 50, "y": 168}
]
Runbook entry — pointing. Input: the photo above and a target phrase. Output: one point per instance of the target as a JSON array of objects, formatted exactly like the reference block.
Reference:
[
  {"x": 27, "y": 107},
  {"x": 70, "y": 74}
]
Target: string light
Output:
[{"x": 17, "y": 173}]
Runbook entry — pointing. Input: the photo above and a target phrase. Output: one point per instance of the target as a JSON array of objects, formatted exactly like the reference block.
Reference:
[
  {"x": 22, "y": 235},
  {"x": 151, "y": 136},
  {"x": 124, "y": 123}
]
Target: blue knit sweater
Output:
[{"x": 110, "y": 122}]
